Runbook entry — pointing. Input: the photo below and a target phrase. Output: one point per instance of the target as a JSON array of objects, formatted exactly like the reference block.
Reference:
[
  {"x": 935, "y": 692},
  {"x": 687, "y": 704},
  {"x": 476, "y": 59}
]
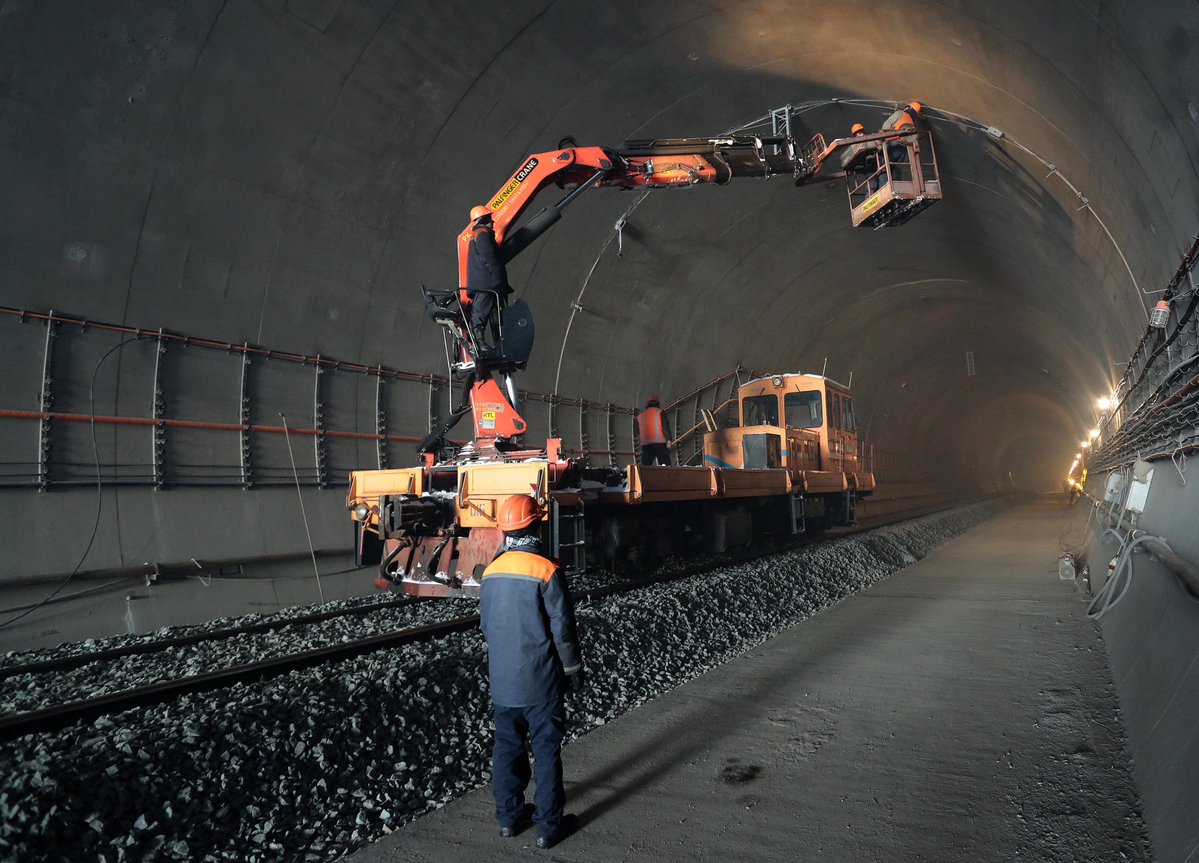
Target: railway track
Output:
[
  {"x": 78, "y": 660},
  {"x": 87, "y": 709}
]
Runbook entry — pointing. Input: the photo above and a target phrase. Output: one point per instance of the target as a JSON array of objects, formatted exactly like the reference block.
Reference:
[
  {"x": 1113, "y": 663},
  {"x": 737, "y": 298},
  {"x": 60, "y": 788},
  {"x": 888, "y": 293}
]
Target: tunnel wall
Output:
[
  {"x": 1152, "y": 640},
  {"x": 288, "y": 173}
]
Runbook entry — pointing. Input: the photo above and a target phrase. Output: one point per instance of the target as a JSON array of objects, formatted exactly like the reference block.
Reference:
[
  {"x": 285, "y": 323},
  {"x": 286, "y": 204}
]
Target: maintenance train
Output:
[{"x": 792, "y": 462}]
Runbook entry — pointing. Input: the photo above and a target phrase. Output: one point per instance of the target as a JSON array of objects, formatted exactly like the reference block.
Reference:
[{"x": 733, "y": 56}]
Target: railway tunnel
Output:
[{"x": 220, "y": 215}]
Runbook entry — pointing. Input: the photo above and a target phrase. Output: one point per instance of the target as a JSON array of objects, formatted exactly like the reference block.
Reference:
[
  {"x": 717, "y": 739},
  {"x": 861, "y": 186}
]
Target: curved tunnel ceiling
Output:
[{"x": 289, "y": 172}]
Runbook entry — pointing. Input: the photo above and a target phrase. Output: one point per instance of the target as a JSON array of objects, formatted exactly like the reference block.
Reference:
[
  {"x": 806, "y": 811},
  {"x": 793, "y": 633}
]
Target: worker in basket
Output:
[
  {"x": 868, "y": 163},
  {"x": 899, "y": 154},
  {"x": 533, "y": 657}
]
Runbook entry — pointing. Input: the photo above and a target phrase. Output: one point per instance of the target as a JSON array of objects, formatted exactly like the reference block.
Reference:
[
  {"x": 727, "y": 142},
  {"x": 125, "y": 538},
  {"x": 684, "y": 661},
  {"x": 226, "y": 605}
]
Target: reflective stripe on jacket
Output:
[
  {"x": 650, "y": 426},
  {"x": 528, "y": 622}
]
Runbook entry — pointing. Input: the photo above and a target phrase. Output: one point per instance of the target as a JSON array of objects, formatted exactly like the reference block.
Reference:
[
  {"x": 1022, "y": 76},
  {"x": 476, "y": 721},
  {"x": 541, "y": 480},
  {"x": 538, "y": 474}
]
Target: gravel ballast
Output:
[{"x": 315, "y": 763}]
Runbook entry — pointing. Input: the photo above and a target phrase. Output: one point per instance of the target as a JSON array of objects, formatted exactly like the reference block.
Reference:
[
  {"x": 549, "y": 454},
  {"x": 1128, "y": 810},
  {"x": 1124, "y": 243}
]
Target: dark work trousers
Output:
[
  {"x": 544, "y": 725},
  {"x": 655, "y": 453},
  {"x": 483, "y": 313}
]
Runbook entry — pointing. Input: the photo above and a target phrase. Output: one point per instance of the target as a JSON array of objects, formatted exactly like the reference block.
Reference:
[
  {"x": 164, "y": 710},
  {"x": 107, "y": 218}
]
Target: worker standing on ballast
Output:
[
  {"x": 533, "y": 656},
  {"x": 654, "y": 431},
  {"x": 486, "y": 277}
]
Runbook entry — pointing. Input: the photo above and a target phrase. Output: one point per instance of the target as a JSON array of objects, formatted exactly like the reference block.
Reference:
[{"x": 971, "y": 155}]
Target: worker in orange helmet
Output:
[
  {"x": 906, "y": 116},
  {"x": 486, "y": 276},
  {"x": 900, "y": 154},
  {"x": 866, "y": 162},
  {"x": 528, "y": 621},
  {"x": 654, "y": 432}
]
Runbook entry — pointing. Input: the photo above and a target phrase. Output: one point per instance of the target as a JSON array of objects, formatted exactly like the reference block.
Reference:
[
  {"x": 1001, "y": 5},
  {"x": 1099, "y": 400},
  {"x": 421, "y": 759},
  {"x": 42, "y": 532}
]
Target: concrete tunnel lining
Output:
[{"x": 288, "y": 173}]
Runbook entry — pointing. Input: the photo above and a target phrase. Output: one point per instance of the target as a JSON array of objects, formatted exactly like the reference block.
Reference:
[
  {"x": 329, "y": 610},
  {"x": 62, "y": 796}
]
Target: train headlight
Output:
[
  {"x": 361, "y": 512},
  {"x": 777, "y": 381}
]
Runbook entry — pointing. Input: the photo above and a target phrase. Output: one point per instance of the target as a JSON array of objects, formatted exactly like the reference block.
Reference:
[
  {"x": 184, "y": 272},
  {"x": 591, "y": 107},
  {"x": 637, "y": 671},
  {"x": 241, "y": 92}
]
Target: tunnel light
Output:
[
  {"x": 1094, "y": 433},
  {"x": 1084, "y": 444},
  {"x": 1104, "y": 403},
  {"x": 1160, "y": 315}
]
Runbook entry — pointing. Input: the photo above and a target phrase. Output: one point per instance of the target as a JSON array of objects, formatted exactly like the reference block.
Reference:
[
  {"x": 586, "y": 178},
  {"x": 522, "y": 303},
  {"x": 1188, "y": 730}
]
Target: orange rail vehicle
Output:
[
  {"x": 432, "y": 527},
  {"x": 794, "y": 463}
]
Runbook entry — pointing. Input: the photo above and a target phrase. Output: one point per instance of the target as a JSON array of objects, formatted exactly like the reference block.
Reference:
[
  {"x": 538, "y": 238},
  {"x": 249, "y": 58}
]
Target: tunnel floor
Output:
[{"x": 961, "y": 710}]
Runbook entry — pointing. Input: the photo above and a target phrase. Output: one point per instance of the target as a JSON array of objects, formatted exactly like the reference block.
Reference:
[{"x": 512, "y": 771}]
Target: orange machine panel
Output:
[
  {"x": 367, "y": 485},
  {"x": 483, "y": 487}
]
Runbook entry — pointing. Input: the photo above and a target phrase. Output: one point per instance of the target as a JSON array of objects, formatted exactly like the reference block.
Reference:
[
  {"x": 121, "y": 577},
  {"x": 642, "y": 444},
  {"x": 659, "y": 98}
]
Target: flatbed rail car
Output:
[{"x": 794, "y": 463}]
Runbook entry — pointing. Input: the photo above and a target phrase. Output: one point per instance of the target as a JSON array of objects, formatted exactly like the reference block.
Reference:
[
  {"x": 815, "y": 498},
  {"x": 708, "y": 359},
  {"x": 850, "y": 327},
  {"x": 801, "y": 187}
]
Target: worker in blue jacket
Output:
[
  {"x": 486, "y": 276},
  {"x": 533, "y": 655}
]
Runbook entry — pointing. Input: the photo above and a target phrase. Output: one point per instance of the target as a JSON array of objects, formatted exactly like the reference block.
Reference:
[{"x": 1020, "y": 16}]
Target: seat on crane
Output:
[
  {"x": 891, "y": 181},
  {"x": 516, "y": 335},
  {"x": 444, "y": 308}
]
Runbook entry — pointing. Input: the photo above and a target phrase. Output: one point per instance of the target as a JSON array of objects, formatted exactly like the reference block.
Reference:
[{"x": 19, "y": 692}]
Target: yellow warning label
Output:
[
  {"x": 870, "y": 205},
  {"x": 514, "y": 183}
]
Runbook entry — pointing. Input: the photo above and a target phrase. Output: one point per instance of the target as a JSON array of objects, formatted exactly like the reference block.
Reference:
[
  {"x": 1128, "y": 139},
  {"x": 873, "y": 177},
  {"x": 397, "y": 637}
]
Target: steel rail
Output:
[
  {"x": 67, "y": 663},
  {"x": 64, "y": 715}
]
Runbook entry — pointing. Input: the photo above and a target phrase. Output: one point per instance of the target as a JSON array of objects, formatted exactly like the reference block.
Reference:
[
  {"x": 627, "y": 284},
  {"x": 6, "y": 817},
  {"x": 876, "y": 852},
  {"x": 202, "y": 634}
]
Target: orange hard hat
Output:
[
  {"x": 916, "y": 106},
  {"x": 653, "y": 400},
  {"x": 518, "y": 512},
  {"x": 857, "y": 129},
  {"x": 478, "y": 212}
]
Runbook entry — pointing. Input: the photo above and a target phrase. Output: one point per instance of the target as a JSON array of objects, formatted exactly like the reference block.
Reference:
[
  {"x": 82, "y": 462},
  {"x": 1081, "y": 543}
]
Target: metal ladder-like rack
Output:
[
  {"x": 568, "y": 537},
  {"x": 799, "y": 523}
]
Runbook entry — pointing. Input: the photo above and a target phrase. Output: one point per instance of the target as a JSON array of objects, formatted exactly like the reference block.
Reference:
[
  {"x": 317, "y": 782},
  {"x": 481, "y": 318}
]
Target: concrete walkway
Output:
[{"x": 961, "y": 710}]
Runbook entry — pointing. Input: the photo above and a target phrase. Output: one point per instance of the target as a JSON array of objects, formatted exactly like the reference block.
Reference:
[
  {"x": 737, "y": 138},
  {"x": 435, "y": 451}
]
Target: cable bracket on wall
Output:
[
  {"x": 244, "y": 418},
  {"x": 158, "y": 434},
  {"x": 45, "y": 405}
]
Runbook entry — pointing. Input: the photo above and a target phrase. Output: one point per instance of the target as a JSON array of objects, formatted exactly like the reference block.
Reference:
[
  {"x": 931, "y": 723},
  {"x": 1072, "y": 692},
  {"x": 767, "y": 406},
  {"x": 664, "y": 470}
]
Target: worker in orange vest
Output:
[
  {"x": 905, "y": 118},
  {"x": 900, "y": 155},
  {"x": 654, "y": 432}
]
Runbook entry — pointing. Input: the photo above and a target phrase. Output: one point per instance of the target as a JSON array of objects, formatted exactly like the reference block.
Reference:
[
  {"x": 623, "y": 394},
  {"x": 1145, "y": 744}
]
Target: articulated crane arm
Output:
[
  {"x": 644, "y": 164},
  {"x": 641, "y": 164}
]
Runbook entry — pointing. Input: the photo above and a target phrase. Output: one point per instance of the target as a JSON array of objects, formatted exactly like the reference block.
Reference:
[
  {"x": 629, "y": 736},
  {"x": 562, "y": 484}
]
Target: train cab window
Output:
[
  {"x": 834, "y": 414},
  {"x": 851, "y": 418},
  {"x": 760, "y": 411},
  {"x": 803, "y": 410}
]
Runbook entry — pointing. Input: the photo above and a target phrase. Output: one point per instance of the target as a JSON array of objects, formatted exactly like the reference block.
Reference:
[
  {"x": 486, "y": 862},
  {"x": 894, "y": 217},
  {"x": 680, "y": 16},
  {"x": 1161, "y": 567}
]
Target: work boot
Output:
[
  {"x": 569, "y": 824},
  {"x": 523, "y": 820}
]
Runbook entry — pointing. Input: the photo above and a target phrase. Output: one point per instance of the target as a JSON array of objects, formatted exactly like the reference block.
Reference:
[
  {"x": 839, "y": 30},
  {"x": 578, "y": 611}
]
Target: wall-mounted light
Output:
[
  {"x": 1084, "y": 444},
  {"x": 1094, "y": 433},
  {"x": 1104, "y": 403},
  {"x": 1160, "y": 315}
]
